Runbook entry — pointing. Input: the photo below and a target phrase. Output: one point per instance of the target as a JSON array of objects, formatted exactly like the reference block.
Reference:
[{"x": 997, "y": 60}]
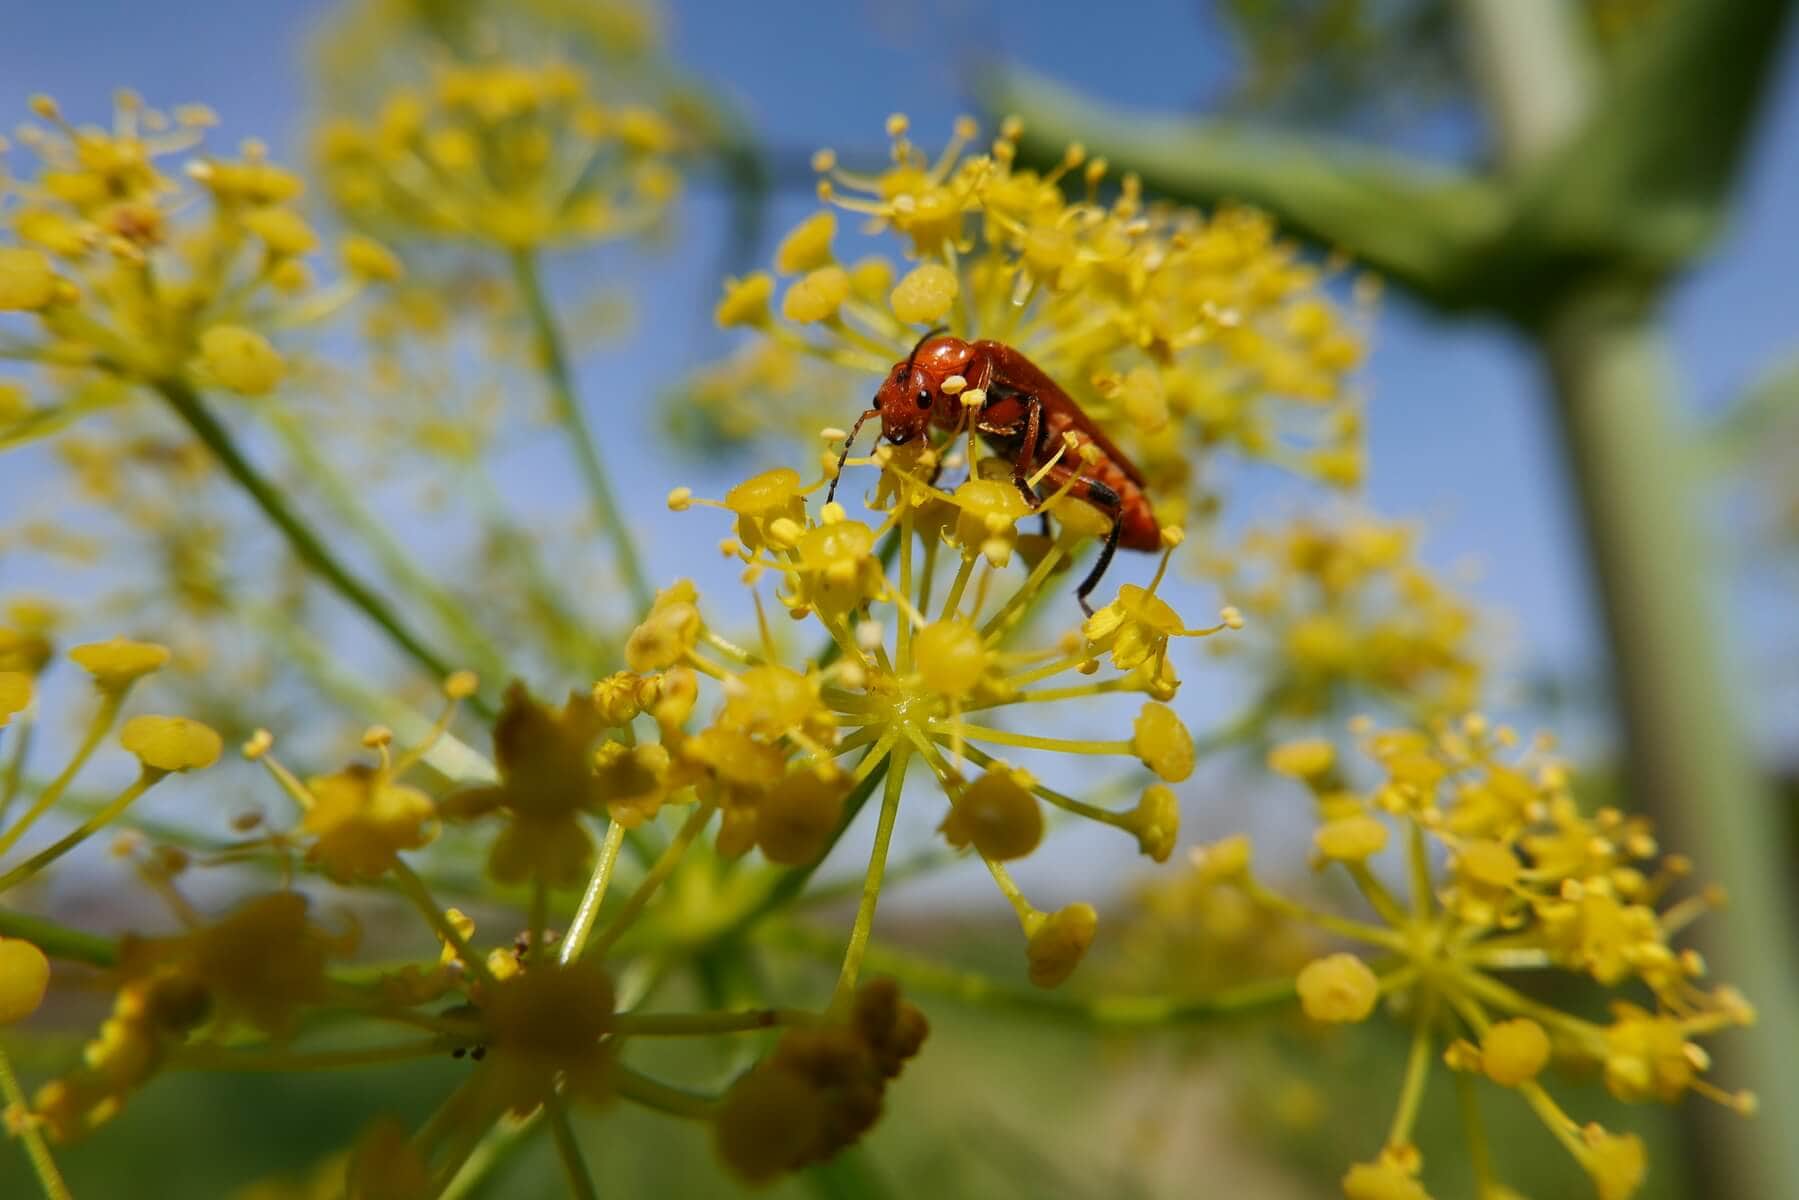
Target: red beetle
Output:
[{"x": 1024, "y": 419}]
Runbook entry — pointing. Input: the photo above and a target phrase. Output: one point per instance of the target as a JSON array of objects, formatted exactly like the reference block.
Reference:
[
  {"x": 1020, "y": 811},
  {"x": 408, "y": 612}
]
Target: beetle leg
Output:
[
  {"x": 1099, "y": 568},
  {"x": 1104, "y": 497},
  {"x": 1027, "y": 448},
  {"x": 848, "y": 442}
]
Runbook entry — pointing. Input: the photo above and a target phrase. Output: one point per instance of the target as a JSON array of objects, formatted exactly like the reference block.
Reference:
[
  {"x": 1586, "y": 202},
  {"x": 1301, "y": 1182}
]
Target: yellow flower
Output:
[
  {"x": 820, "y": 1090},
  {"x": 997, "y": 815},
  {"x": 668, "y": 632},
  {"x": 1310, "y": 759},
  {"x": 1354, "y": 838},
  {"x": 24, "y": 977},
  {"x": 1617, "y": 1162},
  {"x": 118, "y": 664},
  {"x": 1394, "y": 1176},
  {"x": 547, "y": 782},
  {"x": 385, "y": 1165},
  {"x": 241, "y": 360},
  {"x": 1156, "y": 821},
  {"x": 260, "y": 965},
  {"x": 796, "y": 818},
  {"x": 545, "y": 1026},
  {"x": 808, "y": 247},
  {"x": 816, "y": 295},
  {"x": 360, "y": 820},
  {"x": 1059, "y": 942},
  {"x": 366, "y": 258},
  {"x": 1338, "y": 988},
  {"x": 1163, "y": 743},
  {"x": 170, "y": 743},
  {"x": 925, "y": 295},
  {"x": 1157, "y": 319},
  {"x": 521, "y": 155},
  {"x": 282, "y": 232},
  {"x": 1513, "y": 1052},
  {"x": 160, "y": 277},
  {"x": 746, "y": 300},
  {"x": 27, "y": 280},
  {"x": 15, "y": 695},
  {"x": 1530, "y": 881}
]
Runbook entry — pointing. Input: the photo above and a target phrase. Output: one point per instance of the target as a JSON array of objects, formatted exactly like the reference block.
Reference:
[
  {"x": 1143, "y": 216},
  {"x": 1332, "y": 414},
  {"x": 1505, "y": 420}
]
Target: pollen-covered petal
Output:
[
  {"x": 952, "y": 657},
  {"x": 1338, "y": 988},
  {"x": 925, "y": 295},
  {"x": 808, "y": 247},
  {"x": 1163, "y": 743},
  {"x": 15, "y": 694},
  {"x": 797, "y": 817},
  {"x": 24, "y": 977},
  {"x": 282, "y": 231},
  {"x": 745, "y": 301},
  {"x": 27, "y": 280},
  {"x": 1059, "y": 944},
  {"x": 816, "y": 295},
  {"x": 998, "y": 815},
  {"x": 1156, "y": 821},
  {"x": 1514, "y": 1052},
  {"x": 241, "y": 360},
  {"x": 1616, "y": 1162},
  {"x": 385, "y": 1165},
  {"x": 369, "y": 260},
  {"x": 1353, "y": 838},
  {"x": 1308, "y": 759},
  {"x": 171, "y": 743},
  {"x": 120, "y": 662}
]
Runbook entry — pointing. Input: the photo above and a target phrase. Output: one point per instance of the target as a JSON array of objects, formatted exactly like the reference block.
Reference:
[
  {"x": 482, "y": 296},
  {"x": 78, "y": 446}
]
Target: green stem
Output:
[
  {"x": 663, "y": 1097},
  {"x": 871, "y": 882},
  {"x": 43, "y": 858},
  {"x": 1096, "y": 1012},
  {"x": 59, "y": 941},
  {"x": 486, "y": 656},
  {"x": 553, "y": 358},
  {"x": 575, "y": 940},
  {"x": 36, "y": 1149},
  {"x": 654, "y": 878},
  {"x": 580, "y": 1183},
  {"x": 1417, "y": 1072},
  {"x": 1688, "y": 761},
  {"x": 14, "y": 776},
  {"x": 97, "y": 730},
  {"x": 301, "y": 537}
]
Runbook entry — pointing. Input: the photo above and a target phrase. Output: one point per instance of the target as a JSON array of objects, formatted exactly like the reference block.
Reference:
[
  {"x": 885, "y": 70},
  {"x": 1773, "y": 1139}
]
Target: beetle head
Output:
[{"x": 914, "y": 388}]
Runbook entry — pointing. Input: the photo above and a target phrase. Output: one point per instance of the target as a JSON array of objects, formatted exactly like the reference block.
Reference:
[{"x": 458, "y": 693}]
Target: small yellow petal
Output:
[{"x": 171, "y": 743}]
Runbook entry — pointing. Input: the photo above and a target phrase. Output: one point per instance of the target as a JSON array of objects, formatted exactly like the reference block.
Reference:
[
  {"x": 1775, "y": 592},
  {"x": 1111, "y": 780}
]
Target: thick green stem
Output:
[
  {"x": 59, "y": 941},
  {"x": 553, "y": 358},
  {"x": 1688, "y": 761},
  {"x": 301, "y": 537}
]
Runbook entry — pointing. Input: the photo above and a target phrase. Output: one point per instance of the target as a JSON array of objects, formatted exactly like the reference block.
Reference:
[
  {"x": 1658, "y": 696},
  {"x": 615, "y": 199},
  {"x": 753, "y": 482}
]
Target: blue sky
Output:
[{"x": 1458, "y": 424}]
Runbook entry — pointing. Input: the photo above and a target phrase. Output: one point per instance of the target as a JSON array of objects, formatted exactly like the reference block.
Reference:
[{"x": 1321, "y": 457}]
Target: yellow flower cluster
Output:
[
  {"x": 137, "y": 275},
  {"x": 512, "y": 155},
  {"x": 1527, "y": 881},
  {"x": 912, "y": 664},
  {"x": 1181, "y": 333},
  {"x": 1342, "y": 610},
  {"x": 540, "y": 1018}
]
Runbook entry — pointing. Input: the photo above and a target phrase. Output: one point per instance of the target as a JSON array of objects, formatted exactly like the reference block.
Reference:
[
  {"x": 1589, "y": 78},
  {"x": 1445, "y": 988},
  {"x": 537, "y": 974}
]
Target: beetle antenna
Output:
[
  {"x": 929, "y": 334},
  {"x": 848, "y": 443}
]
